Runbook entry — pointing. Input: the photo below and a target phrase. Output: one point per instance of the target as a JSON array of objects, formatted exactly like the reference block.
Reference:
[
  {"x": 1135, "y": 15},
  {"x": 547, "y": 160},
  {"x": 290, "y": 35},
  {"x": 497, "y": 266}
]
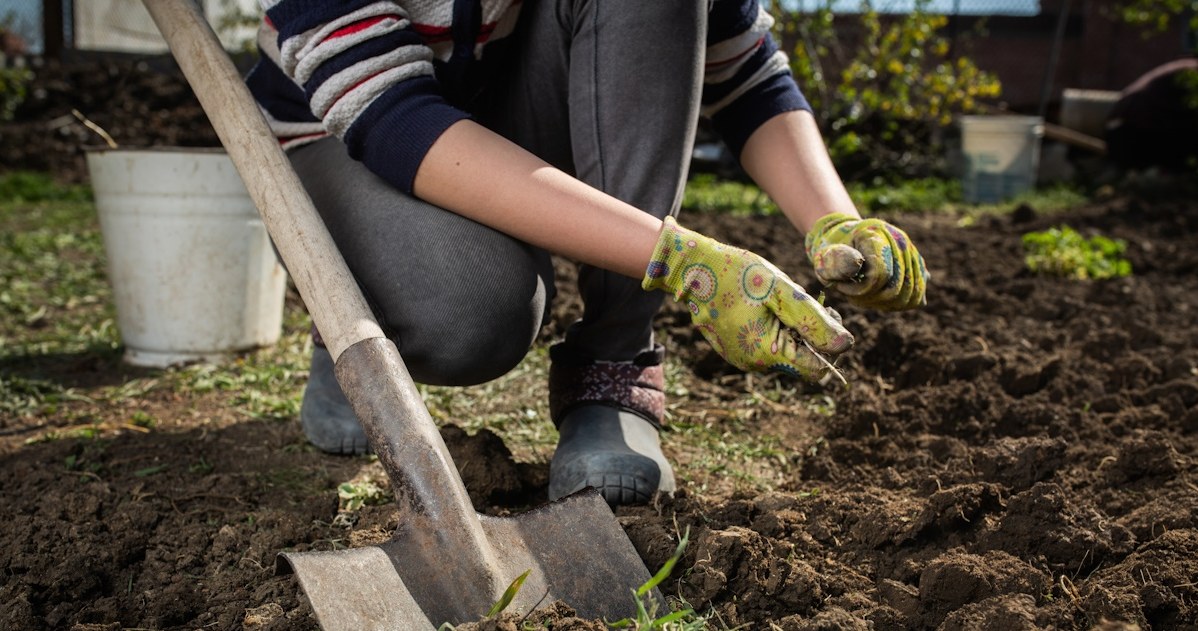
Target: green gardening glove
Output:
[
  {"x": 870, "y": 261},
  {"x": 752, "y": 314}
]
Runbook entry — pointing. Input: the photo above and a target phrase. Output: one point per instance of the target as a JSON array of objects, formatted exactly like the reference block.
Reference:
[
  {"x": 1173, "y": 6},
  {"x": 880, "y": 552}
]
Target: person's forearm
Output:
[
  {"x": 479, "y": 174},
  {"x": 786, "y": 157}
]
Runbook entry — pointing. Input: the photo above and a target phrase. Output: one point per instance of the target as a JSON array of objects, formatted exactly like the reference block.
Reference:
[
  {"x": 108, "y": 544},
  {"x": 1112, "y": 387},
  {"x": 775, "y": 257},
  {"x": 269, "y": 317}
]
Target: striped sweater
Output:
[{"x": 380, "y": 74}]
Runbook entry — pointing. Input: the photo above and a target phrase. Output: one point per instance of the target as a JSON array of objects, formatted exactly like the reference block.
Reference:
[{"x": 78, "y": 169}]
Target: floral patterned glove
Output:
[
  {"x": 888, "y": 274},
  {"x": 752, "y": 314}
]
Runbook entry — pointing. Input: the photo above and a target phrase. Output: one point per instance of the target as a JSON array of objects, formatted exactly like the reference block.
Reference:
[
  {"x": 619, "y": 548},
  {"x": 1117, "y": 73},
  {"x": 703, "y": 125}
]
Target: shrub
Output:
[
  {"x": 1157, "y": 15},
  {"x": 14, "y": 87},
  {"x": 883, "y": 111},
  {"x": 1062, "y": 251}
]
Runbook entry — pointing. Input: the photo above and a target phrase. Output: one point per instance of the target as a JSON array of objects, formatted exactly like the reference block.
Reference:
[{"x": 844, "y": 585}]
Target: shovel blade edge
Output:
[{"x": 576, "y": 551}]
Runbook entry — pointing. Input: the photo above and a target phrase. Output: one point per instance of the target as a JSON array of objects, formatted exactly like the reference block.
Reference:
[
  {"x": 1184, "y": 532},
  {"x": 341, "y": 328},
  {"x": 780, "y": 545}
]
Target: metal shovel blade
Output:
[
  {"x": 445, "y": 562},
  {"x": 576, "y": 551}
]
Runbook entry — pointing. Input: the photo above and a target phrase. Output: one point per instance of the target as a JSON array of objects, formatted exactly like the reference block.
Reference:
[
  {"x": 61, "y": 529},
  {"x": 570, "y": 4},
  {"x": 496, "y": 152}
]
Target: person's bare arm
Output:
[
  {"x": 481, "y": 175},
  {"x": 478, "y": 174},
  {"x": 871, "y": 261},
  {"x": 786, "y": 157}
]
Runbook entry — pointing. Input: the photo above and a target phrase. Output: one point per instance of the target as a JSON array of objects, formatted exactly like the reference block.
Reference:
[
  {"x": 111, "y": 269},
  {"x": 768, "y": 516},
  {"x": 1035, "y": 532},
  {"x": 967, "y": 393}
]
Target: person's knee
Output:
[{"x": 476, "y": 341}]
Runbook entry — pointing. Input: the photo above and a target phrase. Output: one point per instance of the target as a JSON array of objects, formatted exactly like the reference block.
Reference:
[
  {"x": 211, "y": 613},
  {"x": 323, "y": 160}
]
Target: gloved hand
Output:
[
  {"x": 752, "y": 314},
  {"x": 888, "y": 273}
]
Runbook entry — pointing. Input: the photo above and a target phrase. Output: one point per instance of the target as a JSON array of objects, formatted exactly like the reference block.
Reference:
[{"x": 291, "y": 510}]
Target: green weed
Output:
[
  {"x": 684, "y": 619},
  {"x": 508, "y": 595},
  {"x": 203, "y": 467},
  {"x": 142, "y": 419},
  {"x": 352, "y": 496},
  {"x": 149, "y": 471},
  {"x": 1062, "y": 251}
]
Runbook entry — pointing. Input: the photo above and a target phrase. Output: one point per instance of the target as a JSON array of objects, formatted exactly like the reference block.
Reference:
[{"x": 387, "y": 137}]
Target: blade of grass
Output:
[{"x": 508, "y": 595}]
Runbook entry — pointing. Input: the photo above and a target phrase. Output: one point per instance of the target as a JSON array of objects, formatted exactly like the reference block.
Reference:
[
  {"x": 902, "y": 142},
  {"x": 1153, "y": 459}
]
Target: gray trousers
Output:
[{"x": 607, "y": 90}]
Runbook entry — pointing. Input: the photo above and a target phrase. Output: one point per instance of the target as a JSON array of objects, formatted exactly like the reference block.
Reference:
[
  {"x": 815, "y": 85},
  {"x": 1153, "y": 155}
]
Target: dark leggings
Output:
[{"x": 607, "y": 91}]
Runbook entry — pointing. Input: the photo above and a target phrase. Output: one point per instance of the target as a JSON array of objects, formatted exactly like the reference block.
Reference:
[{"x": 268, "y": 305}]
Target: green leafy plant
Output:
[
  {"x": 883, "y": 89},
  {"x": 683, "y": 619},
  {"x": 1062, "y": 251},
  {"x": 354, "y": 495}
]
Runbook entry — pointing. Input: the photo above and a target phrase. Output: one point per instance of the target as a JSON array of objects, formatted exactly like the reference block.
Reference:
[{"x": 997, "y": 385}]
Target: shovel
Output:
[{"x": 445, "y": 562}]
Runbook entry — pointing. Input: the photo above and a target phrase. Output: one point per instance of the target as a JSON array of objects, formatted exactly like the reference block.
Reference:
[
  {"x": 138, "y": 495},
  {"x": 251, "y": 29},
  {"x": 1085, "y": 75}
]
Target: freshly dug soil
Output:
[{"x": 1020, "y": 454}]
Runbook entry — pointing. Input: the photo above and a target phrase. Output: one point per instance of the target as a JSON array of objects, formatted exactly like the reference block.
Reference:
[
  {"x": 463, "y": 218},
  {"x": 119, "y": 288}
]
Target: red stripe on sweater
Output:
[
  {"x": 430, "y": 30},
  {"x": 359, "y": 26},
  {"x": 432, "y": 34}
]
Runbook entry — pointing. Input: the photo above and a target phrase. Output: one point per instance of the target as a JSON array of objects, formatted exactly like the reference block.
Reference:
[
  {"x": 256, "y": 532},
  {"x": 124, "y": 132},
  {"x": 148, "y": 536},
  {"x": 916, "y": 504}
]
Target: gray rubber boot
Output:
[
  {"x": 617, "y": 452},
  {"x": 326, "y": 416}
]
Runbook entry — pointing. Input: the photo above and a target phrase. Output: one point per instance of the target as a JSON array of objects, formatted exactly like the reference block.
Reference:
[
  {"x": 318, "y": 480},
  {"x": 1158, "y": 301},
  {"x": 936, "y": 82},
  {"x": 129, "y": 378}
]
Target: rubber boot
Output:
[
  {"x": 326, "y": 416},
  {"x": 615, "y": 451}
]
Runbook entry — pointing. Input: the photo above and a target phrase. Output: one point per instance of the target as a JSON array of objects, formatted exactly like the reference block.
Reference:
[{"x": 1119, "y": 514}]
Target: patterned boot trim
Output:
[{"x": 636, "y": 386}]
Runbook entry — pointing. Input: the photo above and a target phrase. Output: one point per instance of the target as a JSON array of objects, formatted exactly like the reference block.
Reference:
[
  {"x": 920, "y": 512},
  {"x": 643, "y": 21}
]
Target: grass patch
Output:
[
  {"x": 926, "y": 195},
  {"x": 30, "y": 186},
  {"x": 266, "y": 384},
  {"x": 24, "y": 396},
  {"x": 1047, "y": 200},
  {"x": 57, "y": 314},
  {"x": 514, "y": 406},
  {"x": 706, "y": 193},
  {"x": 54, "y": 297}
]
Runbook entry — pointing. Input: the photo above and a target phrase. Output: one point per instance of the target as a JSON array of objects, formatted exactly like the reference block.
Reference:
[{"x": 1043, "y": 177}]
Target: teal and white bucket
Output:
[
  {"x": 1002, "y": 155},
  {"x": 194, "y": 276}
]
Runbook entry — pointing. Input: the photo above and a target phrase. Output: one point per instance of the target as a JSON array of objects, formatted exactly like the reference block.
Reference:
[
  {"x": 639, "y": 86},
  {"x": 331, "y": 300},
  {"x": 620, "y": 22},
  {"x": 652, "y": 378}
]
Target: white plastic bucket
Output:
[
  {"x": 194, "y": 276},
  {"x": 1002, "y": 154}
]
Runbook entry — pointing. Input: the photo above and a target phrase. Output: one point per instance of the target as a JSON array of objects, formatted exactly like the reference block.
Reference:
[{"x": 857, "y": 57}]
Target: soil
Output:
[{"x": 1020, "y": 454}]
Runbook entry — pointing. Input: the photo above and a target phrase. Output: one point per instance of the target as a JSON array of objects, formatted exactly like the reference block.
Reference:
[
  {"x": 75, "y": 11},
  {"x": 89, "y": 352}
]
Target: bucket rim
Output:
[
  {"x": 153, "y": 149},
  {"x": 1000, "y": 119}
]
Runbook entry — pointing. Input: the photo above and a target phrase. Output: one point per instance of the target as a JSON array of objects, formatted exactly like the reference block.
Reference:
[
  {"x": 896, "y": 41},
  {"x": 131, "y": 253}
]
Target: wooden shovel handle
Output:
[{"x": 316, "y": 266}]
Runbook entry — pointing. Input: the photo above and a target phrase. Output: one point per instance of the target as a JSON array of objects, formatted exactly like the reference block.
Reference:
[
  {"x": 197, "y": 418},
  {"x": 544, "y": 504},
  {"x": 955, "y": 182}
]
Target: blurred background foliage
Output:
[{"x": 885, "y": 88}]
